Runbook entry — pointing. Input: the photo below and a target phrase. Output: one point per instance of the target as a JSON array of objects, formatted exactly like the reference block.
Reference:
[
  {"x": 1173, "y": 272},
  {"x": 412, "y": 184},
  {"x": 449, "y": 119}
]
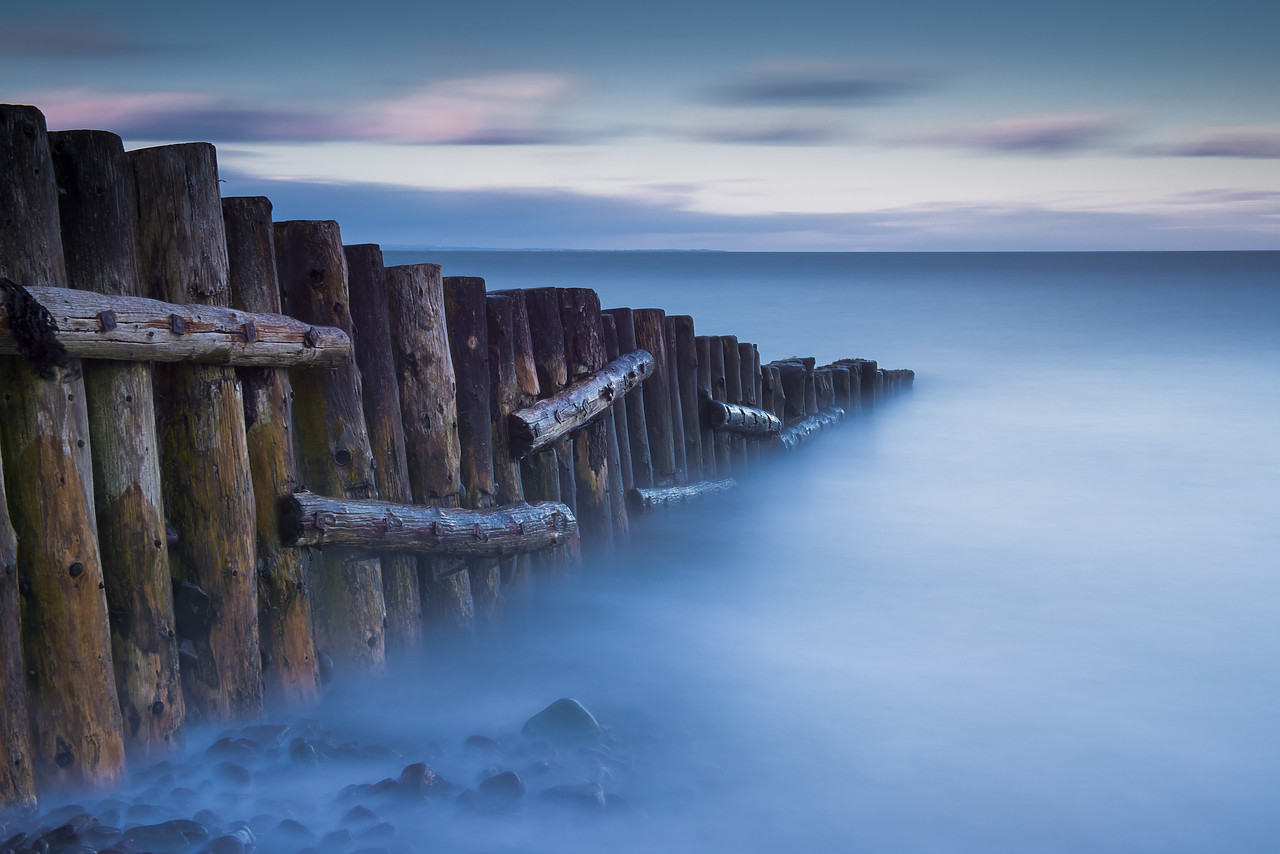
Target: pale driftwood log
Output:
[
  {"x": 97, "y": 208},
  {"x": 66, "y": 642},
  {"x": 138, "y": 329},
  {"x": 313, "y": 520},
  {"x": 380, "y": 392},
  {"x": 290, "y": 669},
  {"x": 744, "y": 420},
  {"x": 331, "y": 439},
  {"x": 204, "y": 455},
  {"x": 17, "y": 765},
  {"x": 428, "y": 403},
  {"x": 468, "y": 328},
  {"x": 801, "y": 432},
  {"x": 546, "y": 421},
  {"x": 646, "y": 500}
]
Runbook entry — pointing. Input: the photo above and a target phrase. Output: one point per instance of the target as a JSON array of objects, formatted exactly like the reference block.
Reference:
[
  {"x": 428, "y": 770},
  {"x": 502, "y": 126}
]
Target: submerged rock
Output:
[
  {"x": 564, "y": 720},
  {"x": 506, "y": 786},
  {"x": 587, "y": 796}
]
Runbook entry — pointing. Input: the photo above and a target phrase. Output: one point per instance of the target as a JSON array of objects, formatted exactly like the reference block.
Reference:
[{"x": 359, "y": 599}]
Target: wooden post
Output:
[
  {"x": 774, "y": 399},
  {"x": 870, "y": 372},
  {"x": 747, "y": 356},
  {"x": 637, "y": 438},
  {"x": 620, "y": 405},
  {"x": 505, "y": 397},
  {"x": 17, "y": 751},
  {"x": 468, "y": 326},
  {"x": 825, "y": 388},
  {"x": 854, "y": 367},
  {"x": 720, "y": 391},
  {"x": 208, "y": 490},
  {"x": 840, "y": 385},
  {"x": 675, "y": 408},
  {"x": 96, "y": 204},
  {"x": 290, "y": 670},
  {"x": 651, "y": 335},
  {"x": 428, "y": 403},
  {"x": 733, "y": 394},
  {"x": 584, "y": 356},
  {"x": 367, "y": 283},
  {"x": 48, "y": 481},
  {"x": 546, "y": 331},
  {"x": 686, "y": 362},
  {"x": 707, "y": 443},
  {"x": 331, "y": 439}
]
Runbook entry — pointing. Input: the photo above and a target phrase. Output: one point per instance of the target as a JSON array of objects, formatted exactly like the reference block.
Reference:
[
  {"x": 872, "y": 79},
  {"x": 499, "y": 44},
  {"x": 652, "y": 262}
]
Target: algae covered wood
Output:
[
  {"x": 331, "y": 440},
  {"x": 637, "y": 438},
  {"x": 204, "y": 458},
  {"x": 370, "y": 311},
  {"x": 545, "y": 422},
  {"x": 17, "y": 768},
  {"x": 585, "y": 357},
  {"x": 96, "y": 208},
  {"x": 428, "y": 403},
  {"x": 290, "y": 669},
  {"x": 71, "y": 692},
  {"x": 468, "y": 327},
  {"x": 648, "y": 500},
  {"x": 140, "y": 329},
  {"x": 314, "y": 520}
]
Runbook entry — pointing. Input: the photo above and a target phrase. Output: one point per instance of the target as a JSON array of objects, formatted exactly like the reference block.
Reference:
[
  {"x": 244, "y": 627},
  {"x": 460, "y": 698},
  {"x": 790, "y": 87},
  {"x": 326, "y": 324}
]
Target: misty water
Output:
[{"x": 1032, "y": 606}]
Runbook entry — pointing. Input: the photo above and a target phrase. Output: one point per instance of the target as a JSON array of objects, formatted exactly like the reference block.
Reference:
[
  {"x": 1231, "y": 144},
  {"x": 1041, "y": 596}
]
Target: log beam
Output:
[
  {"x": 547, "y": 420},
  {"x": 94, "y": 325},
  {"x": 799, "y": 433},
  {"x": 646, "y": 500},
  {"x": 742, "y": 419},
  {"x": 313, "y": 520}
]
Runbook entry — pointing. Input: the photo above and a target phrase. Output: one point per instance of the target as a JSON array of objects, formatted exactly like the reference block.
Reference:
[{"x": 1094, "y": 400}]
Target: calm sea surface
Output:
[{"x": 1032, "y": 607}]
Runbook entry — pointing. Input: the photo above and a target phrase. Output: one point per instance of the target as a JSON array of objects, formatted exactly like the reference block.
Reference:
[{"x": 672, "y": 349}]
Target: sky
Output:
[{"x": 809, "y": 125}]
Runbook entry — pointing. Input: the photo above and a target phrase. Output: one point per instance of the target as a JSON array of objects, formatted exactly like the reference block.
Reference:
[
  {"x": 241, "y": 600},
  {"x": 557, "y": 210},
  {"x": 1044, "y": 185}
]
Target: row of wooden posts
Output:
[{"x": 192, "y": 394}]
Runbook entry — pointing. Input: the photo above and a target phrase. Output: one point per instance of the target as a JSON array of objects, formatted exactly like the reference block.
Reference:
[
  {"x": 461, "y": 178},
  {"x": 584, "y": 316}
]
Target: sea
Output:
[{"x": 1031, "y": 606}]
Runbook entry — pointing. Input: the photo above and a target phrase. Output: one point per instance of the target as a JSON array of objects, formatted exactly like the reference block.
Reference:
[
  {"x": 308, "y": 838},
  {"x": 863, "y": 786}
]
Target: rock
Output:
[
  {"x": 303, "y": 752},
  {"x": 335, "y": 841},
  {"x": 233, "y": 773},
  {"x": 563, "y": 720},
  {"x": 420, "y": 779},
  {"x": 208, "y": 818},
  {"x": 381, "y": 830},
  {"x": 482, "y": 744},
  {"x": 227, "y": 845},
  {"x": 587, "y": 796},
  {"x": 505, "y": 787},
  {"x": 295, "y": 831},
  {"x": 227, "y": 748},
  {"x": 359, "y": 816}
]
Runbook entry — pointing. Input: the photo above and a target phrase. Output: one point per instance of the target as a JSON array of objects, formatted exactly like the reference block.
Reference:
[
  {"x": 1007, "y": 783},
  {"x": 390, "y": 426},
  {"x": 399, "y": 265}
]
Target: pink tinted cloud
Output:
[
  {"x": 1042, "y": 133},
  {"x": 494, "y": 109}
]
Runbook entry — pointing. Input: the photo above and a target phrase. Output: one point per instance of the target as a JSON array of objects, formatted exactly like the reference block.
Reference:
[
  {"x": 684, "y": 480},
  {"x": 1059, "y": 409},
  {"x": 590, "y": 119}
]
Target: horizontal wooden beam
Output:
[
  {"x": 747, "y": 420},
  {"x": 313, "y": 520},
  {"x": 91, "y": 325},
  {"x": 646, "y": 500},
  {"x": 547, "y": 420},
  {"x": 802, "y": 431}
]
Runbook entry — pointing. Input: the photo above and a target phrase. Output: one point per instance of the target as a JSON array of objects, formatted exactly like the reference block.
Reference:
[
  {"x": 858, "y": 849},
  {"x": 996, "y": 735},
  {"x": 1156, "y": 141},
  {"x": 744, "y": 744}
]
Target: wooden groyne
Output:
[{"x": 237, "y": 454}]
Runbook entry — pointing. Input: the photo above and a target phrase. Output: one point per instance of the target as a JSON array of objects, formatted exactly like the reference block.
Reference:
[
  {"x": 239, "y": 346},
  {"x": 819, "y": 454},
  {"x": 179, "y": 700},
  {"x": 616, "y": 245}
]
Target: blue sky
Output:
[{"x": 810, "y": 124}]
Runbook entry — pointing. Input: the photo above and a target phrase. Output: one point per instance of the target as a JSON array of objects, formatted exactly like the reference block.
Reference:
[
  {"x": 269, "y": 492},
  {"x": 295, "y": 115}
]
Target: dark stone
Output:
[
  {"x": 482, "y": 744},
  {"x": 381, "y": 830},
  {"x": 359, "y": 815},
  {"x": 506, "y": 786},
  {"x": 335, "y": 841},
  {"x": 234, "y": 773},
  {"x": 563, "y": 720},
  {"x": 227, "y": 845},
  {"x": 303, "y": 752},
  {"x": 227, "y": 748},
  {"x": 420, "y": 779},
  {"x": 295, "y": 830}
]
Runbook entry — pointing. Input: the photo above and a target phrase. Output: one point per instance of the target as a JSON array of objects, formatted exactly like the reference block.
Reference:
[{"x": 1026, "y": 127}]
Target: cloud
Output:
[
  {"x": 550, "y": 218},
  {"x": 822, "y": 84},
  {"x": 1251, "y": 141},
  {"x": 500, "y": 109},
  {"x": 1050, "y": 133},
  {"x": 61, "y": 40},
  {"x": 764, "y": 128}
]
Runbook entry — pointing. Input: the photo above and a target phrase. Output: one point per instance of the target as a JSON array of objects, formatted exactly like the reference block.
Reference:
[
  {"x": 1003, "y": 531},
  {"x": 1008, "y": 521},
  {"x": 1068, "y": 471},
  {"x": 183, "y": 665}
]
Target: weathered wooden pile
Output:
[{"x": 192, "y": 394}]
